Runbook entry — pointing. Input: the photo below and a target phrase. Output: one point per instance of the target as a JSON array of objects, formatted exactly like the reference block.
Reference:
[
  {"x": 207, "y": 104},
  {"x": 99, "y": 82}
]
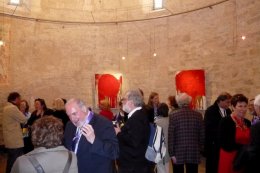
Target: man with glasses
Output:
[{"x": 133, "y": 137}]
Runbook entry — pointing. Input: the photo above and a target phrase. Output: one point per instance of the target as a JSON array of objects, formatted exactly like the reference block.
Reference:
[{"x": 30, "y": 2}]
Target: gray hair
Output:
[
  {"x": 183, "y": 99},
  {"x": 81, "y": 104},
  {"x": 257, "y": 100},
  {"x": 136, "y": 97}
]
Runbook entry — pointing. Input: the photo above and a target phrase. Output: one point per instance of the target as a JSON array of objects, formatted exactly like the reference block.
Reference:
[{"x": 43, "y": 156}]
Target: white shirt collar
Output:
[
  {"x": 222, "y": 111},
  {"x": 133, "y": 111}
]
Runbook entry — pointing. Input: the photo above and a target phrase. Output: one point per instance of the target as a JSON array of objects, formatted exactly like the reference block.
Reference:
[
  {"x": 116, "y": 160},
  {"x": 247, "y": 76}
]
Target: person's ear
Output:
[{"x": 84, "y": 109}]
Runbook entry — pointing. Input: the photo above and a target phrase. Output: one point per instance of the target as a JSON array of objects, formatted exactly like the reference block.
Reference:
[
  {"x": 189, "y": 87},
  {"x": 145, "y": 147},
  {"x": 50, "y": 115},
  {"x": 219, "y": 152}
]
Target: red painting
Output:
[
  {"x": 192, "y": 82},
  {"x": 108, "y": 87}
]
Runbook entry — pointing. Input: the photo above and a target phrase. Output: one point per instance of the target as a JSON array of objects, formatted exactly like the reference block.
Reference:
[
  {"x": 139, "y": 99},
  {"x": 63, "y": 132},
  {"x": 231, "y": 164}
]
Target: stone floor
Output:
[{"x": 3, "y": 164}]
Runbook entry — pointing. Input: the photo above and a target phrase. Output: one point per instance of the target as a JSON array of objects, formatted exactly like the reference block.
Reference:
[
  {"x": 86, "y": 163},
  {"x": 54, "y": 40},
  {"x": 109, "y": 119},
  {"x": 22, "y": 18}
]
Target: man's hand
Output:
[
  {"x": 89, "y": 133},
  {"x": 117, "y": 129},
  {"x": 174, "y": 159}
]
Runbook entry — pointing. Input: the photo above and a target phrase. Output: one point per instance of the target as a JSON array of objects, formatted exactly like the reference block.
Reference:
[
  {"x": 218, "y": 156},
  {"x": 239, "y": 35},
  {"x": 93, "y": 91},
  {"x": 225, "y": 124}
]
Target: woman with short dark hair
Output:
[
  {"x": 163, "y": 121},
  {"x": 234, "y": 133}
]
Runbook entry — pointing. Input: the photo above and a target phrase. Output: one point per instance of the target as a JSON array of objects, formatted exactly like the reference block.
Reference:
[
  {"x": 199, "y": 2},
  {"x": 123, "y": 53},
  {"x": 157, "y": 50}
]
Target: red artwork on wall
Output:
[
  {"x": 192, "y": 82},
  {"x": 108, "y": 87}
]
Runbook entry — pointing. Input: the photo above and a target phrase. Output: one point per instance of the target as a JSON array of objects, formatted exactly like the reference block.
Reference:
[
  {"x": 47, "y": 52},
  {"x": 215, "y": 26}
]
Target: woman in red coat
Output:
[{"x": 234, "y": 133}]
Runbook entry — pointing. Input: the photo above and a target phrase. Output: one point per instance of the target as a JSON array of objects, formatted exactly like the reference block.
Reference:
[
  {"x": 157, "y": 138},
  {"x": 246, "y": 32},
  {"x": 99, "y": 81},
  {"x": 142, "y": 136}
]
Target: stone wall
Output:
[
  {"x": 93, "y": 11},
  {"x": 51, "y": 60}
]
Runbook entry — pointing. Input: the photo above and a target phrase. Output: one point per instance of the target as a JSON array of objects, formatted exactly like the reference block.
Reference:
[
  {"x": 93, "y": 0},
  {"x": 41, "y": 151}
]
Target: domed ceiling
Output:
[{"x": 99, "y": 11}]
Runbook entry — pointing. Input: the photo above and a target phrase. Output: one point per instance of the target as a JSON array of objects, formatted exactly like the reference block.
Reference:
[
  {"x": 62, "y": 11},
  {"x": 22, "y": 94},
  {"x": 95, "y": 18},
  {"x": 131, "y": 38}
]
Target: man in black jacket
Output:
[
  {"x": 133, "y": 137},
  {"x": 212, "y": 117}
]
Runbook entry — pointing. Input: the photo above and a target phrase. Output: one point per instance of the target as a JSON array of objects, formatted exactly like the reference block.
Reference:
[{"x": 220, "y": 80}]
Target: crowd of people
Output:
[{"x": 72, "y": 138}]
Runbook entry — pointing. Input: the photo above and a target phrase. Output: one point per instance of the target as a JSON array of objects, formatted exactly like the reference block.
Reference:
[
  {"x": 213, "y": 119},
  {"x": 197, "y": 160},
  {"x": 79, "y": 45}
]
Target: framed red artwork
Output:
[
  {"x": 108, "y": 87},
  {"x": 192, "y": 82}
]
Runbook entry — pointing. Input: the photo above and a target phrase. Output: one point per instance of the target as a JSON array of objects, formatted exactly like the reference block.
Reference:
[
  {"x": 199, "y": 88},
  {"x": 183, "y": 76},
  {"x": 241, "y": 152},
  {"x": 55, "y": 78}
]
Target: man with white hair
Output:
[
  {"x": 185, "y": 136},
  {"x": 91, "y": 137},
  {"x": 133, "y": 137},
  {"x": 256, "y": 117}
]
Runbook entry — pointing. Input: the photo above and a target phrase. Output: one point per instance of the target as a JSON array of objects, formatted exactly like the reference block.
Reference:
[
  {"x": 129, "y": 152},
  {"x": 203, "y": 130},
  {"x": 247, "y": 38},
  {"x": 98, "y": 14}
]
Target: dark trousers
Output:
[
  {"x": 28, "y": 146},
  {"x": 190, "y": 168},
  {"x": 212, "y": 158},
  {"x": 12, "y": 155},
  {"x": 135, "y": 169}
]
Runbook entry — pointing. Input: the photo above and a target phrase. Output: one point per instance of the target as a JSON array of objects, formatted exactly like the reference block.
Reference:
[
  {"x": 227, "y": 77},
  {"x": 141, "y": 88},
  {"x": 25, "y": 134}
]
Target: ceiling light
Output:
[{"x": 15, "y": 2}]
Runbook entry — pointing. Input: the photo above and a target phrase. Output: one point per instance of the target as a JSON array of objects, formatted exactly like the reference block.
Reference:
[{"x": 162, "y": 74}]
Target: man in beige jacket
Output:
[{"x": 12, "y": 132}]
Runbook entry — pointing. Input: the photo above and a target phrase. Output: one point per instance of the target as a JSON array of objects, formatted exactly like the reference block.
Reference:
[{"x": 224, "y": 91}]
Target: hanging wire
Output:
[
  {"x": 150, "y": 43},
  {"x": 154, "y": 51},
  {"x": 2, "y": 28},
  {"x": 127, "y": 39},
  {"x": 235, "y": 26},
  {"x": 127, "y": 43},
  {"x": 150, "y": 52}
]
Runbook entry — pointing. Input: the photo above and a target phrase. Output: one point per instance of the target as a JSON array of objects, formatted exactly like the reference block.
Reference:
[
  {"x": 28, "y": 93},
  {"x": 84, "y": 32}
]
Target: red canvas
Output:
[
  {"x": 108, "y": 86},
  {"x": 192, "y": 82}
]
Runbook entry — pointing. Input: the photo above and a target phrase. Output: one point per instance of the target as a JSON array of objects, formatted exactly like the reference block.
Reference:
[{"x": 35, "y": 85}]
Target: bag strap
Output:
[
  {"x": 39, "y": 168},
  {"x": 36, "y": 164},
  {"x": 67, "y": 166}
]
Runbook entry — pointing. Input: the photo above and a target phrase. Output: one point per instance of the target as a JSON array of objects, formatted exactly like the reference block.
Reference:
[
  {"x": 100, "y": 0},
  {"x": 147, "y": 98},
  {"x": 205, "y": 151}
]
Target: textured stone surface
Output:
[
  {"x": 50, "y": 60},
  {"x": 100, "y": 10}
]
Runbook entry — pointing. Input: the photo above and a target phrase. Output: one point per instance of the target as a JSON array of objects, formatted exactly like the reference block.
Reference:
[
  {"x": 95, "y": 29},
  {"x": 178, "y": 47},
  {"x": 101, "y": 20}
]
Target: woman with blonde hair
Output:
[
  {"x": 105, "y": 109},
  {"x": 59, "y": 111}
]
